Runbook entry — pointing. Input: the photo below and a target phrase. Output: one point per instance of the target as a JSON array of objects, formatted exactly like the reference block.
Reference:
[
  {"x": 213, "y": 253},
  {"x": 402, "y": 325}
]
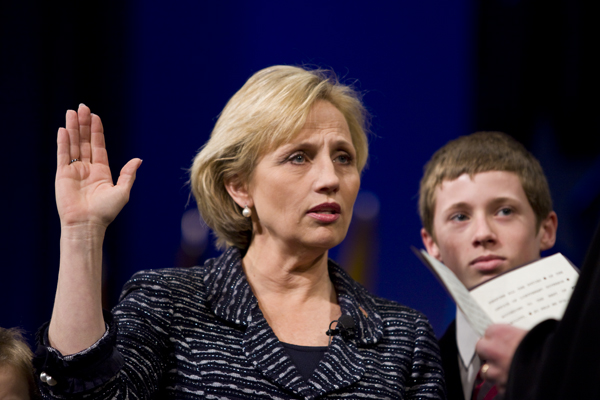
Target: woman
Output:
[{"x": 276, "y": 182}]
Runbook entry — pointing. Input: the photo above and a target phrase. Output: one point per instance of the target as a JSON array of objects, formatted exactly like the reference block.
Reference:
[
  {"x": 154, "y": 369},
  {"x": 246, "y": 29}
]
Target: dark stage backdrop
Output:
[{"x": 158, "y": 73}]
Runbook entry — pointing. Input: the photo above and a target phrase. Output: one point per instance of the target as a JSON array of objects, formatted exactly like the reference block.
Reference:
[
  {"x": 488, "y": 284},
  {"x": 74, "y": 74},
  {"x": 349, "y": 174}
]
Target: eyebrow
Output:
[
  {"x": 458, "y": 205},
  {"x": 311, "y": 144},
  {"x": 494, "y": 202},
  {"x": 499, "y": 200}
]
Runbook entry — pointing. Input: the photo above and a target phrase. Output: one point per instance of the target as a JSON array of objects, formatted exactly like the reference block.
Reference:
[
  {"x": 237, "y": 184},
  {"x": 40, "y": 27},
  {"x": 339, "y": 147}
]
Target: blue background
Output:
[{"x": 159, "y": 73}]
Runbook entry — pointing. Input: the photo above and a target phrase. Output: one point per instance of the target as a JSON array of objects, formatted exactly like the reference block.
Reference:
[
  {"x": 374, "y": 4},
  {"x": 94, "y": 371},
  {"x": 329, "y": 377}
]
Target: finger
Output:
[
  {"x": 62, "y": 152},
  {"x": 85, "y": 126},
  {"x": 72, "y": 125},
  {"x": 98, "y": 144},
  {"x": 494, "y": 330},
  {"x": 483, "y": 348},
  {"x": 128, "y": 174},
  {"x": 494, "y": 374}
]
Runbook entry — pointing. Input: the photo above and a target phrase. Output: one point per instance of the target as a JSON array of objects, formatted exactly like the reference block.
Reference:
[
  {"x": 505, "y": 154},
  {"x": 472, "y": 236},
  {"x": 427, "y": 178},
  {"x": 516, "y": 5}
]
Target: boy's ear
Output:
[
  {"x": 238, "y": 192},
  {"x": 430, "y": 245},
  {"x": 547, "y": 231}
]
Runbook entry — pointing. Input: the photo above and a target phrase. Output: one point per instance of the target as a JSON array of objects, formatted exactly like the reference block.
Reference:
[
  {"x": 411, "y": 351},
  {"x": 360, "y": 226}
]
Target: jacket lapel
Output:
[{"x": 231, "y": 298}]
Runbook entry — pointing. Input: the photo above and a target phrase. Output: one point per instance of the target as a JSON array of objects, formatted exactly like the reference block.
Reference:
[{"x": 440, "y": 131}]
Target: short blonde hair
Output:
[
  {"x": 269, "y": 110},
  {"x": 15, "y": 353},
  {"x": 483, "y": 152}
]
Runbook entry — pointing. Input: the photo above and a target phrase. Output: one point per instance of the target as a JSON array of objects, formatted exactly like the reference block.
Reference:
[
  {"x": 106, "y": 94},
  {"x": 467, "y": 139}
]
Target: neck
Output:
[
  {"x": 288, "y": 273},
  {"x": 294, "y": 293}
]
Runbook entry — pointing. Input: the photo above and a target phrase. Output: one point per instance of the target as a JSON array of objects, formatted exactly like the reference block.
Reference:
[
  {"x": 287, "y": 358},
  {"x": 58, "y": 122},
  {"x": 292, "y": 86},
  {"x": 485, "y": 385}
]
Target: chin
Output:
[
  {"x": 324, "y": 243},
  {"x": 327, "y": 244},
  {"x": 484, "y": 278},
  {"x": 328, "y": 238}
]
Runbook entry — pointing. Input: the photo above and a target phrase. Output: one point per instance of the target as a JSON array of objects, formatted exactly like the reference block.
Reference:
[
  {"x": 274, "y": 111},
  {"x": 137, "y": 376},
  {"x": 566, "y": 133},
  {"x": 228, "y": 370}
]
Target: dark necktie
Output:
[{"x": 484, "y": 390}]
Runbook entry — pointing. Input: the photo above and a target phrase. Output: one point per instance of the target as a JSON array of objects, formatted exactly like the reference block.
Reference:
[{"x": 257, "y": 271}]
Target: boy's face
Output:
[{"x": 485, "y": 226}]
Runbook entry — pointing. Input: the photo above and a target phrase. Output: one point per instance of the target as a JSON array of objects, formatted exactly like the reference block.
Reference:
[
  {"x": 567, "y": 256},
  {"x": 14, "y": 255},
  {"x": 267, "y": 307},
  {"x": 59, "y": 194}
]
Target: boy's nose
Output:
[{"x": 484, "y": 233}]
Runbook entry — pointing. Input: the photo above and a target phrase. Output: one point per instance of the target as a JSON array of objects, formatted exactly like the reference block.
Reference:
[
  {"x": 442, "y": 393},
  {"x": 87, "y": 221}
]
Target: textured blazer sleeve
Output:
[{"x": 138, "y": 336}]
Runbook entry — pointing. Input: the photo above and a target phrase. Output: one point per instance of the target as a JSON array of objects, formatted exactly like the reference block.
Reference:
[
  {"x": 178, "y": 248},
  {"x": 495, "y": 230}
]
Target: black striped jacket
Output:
[{"x": 199, "y": 333}]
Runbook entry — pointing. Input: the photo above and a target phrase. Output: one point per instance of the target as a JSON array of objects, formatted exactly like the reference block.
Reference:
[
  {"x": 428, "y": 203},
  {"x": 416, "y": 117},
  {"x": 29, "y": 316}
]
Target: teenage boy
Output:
[{"x": 485, "y": 207}]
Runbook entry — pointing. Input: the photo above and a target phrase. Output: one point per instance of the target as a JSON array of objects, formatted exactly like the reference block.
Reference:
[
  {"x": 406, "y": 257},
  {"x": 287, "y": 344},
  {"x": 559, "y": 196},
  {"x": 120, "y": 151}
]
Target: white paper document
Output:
[{"x": 523, "y": 297}]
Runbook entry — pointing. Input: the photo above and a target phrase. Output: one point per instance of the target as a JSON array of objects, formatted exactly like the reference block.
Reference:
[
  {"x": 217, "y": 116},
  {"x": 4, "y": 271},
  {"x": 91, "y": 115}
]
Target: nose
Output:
[
  {"x": 327, "y": 178},
  {"x": 484, "y": 233}
]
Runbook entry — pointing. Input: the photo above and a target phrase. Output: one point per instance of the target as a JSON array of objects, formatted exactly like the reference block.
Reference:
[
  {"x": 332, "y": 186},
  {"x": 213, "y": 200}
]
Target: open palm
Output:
[{"x": 85, "y": 193}]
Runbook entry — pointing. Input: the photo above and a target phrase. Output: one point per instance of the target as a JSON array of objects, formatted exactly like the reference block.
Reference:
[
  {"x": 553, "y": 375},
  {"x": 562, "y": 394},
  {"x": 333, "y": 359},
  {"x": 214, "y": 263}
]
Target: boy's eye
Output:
[
  {"x": 458, "y": 217},
  {"x": 505, "y": 211}
]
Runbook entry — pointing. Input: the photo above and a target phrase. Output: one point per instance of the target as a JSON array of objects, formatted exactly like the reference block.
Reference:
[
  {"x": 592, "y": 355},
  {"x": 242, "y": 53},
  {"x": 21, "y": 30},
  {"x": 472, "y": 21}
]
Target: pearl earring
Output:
[{"x": 247, "y": 212}]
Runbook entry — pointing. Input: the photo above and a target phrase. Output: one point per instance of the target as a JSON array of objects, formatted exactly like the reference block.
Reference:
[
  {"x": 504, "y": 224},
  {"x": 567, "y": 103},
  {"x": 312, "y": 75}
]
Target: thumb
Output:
[{"x": 128, "y": 173}]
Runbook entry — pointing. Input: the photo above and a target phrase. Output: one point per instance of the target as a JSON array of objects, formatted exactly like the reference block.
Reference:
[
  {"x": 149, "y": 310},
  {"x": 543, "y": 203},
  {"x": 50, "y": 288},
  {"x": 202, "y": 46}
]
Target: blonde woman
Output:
[{"x": 276, "y": 182}]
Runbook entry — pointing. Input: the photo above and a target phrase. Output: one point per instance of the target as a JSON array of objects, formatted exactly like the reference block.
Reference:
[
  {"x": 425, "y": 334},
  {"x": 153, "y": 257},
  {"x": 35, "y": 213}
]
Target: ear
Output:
[
  {"x": 430, "y": 245},
  {"x": 547, "y": 233},
  {"x": 238, "y": 192}
]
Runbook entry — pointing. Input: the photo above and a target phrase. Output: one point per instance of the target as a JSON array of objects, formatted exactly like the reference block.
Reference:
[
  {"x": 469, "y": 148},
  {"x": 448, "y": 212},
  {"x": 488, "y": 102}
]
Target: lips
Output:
[
  {"x": 487, "y": 263},
  {"x": 325, "y": 212}
]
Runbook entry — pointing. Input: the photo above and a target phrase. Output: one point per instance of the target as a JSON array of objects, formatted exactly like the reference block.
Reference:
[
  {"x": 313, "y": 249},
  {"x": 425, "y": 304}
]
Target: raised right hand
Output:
[
  {"x": 87, "y": 202},
  {"x": 85, "y": 193}
]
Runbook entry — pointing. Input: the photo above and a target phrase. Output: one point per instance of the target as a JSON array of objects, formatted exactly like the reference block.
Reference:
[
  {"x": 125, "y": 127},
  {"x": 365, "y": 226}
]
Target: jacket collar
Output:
[
  {"x": 230, "y": 297},
  {"x": 229, "y": 294}
]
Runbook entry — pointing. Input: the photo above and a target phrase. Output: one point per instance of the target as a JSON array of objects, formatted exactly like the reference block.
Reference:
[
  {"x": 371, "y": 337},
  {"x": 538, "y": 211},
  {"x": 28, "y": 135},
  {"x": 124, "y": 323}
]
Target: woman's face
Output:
[{"x": 303, "y": 192}]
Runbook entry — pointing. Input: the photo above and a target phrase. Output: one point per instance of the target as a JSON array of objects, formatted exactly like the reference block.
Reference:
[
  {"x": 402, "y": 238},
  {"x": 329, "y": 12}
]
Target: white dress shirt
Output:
[{"x": 468, "y": 361}]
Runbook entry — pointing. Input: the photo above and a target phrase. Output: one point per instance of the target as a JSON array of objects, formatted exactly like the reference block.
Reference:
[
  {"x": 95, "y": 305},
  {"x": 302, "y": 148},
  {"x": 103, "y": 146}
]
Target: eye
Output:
[
  {"x": 458, "y": 217},
  {"x": 343, "y": 159},
  {"x": 297, "y": 158},
  {"x": 505, "y": 211}
]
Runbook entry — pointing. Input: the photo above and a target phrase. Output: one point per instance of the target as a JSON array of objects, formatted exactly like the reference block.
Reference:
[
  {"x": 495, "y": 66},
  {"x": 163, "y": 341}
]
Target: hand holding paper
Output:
[{"x": 522, "y": 297}]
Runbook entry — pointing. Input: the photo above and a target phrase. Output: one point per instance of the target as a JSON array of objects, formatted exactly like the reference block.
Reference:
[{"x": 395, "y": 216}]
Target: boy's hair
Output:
[
  {"x": 483, "y": 152},
  {"x": 15, "y": 353}
]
